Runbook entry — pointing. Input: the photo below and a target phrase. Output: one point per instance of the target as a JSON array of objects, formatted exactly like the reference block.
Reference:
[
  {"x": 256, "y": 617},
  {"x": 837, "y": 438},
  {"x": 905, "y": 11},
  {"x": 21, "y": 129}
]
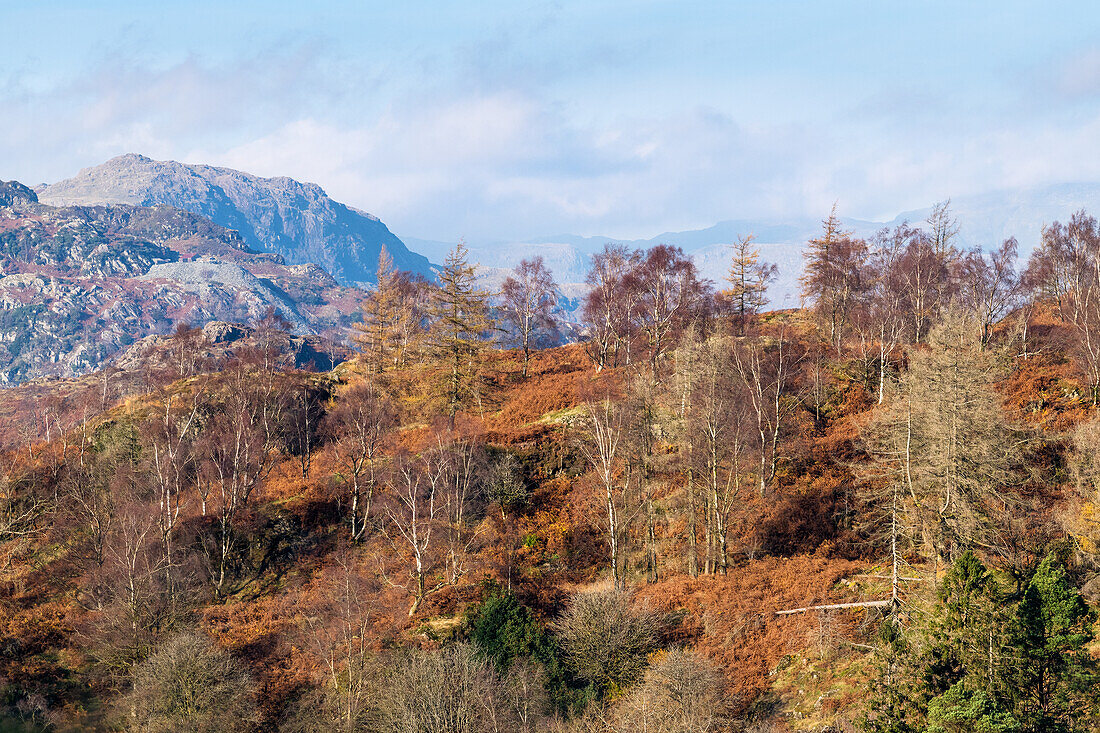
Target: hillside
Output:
[
  {"x": 847, "y": 517},
  {"x": 295, "y": 220}
]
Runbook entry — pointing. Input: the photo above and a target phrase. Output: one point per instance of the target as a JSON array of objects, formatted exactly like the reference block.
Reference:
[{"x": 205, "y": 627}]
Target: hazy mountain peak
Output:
[{"x": 297, "y": 220}]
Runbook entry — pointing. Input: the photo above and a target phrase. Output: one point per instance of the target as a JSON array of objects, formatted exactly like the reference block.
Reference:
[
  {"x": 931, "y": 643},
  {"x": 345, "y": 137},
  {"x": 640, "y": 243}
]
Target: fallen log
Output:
[{"x": 832, "y": 606}]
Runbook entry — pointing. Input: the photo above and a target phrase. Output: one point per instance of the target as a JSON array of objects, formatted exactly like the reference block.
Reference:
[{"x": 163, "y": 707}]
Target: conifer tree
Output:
[
  {"x": 461, "y": 328},
  {"x": 1055, "y": 675},
  {"x": 962, "y": 444},
  {"x": 833, "y": 277},
  {"x": 748, "y": 278},
  {"x": 942, "y": 445},
  {"x": 377, "y": 334}
]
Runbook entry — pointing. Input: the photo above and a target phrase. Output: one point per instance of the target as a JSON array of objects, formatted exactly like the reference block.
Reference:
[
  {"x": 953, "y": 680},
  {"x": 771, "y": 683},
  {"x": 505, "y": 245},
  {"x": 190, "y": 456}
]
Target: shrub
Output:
[
  {"x": 191, "y": 684},
  {"x": 607, "y": 639},
  {"x": 681, "y": 692},
  {"x": 453, "y": 690}
]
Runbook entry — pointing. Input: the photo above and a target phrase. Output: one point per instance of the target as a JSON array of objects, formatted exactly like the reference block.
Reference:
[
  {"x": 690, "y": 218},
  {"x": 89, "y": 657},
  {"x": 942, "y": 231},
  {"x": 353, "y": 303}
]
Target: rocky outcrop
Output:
[
  {"x": 14, "y": 192},
  {"x": 80, "y": 284},
  {"x": 296, "y": 220}
]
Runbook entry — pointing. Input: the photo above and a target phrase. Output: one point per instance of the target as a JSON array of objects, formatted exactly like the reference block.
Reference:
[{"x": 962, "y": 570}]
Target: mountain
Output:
[
  {"x": 984, "y": 221},
  {"x": 281, "y": 215},
  {"x": 78, "y": 284}
]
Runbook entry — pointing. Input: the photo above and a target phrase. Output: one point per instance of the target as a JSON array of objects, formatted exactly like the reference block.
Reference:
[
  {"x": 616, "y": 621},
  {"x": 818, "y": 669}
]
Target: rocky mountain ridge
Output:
[
  {"x": 79, "y": 284},
  {"x": 281, "y": 215}
]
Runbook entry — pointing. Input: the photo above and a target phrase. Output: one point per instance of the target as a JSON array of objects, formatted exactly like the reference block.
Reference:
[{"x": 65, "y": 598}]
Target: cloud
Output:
[
  {"x": 493, "y": 152},
  {"x": 1077, "y": 76}
]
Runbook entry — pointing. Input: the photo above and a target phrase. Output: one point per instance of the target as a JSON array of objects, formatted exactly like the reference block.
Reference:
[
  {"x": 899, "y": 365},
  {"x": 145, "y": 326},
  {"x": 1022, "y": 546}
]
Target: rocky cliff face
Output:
[
  {"x": 296, "y": 220},
  {"x": 78, "y": 284}
]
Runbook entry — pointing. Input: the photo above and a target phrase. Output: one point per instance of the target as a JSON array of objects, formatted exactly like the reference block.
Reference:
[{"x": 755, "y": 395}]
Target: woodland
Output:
[{"x": 877, "y": 512}]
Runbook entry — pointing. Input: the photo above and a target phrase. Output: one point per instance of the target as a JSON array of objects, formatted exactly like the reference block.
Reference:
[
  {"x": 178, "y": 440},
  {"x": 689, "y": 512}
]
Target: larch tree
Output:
[
  {"x": 832, "y": 277},
  {"x": 377, "y": 335},
  {"x": 963, "y": 459},
  {"x": 461, "y": 326},
  {"x": 748, "y": 279},
  {"x": 529, "y": 296}
]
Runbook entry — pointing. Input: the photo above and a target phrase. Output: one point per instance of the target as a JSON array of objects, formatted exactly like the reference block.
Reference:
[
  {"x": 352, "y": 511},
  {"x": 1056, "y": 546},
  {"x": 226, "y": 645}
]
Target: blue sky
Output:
[{"x": 519, "y": 119}]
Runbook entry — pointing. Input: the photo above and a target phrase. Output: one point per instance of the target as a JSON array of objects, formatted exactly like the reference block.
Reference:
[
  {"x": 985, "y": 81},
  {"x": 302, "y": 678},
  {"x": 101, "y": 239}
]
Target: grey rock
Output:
[
  {"x": 14, "y": 193},
  {"x": 296, "y": 220}
]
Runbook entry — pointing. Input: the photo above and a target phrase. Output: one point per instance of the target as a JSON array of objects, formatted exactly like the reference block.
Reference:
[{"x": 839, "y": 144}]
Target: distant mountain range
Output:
[
  {"x": 984, "y": 220},
  {"x": 281, "y": 215},
  {"x": 129, "y": 248}
]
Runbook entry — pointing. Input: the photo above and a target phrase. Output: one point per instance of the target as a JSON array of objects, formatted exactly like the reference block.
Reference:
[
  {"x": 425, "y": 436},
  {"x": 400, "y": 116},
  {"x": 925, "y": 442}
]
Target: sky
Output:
[{"x": 517, "y": 119}]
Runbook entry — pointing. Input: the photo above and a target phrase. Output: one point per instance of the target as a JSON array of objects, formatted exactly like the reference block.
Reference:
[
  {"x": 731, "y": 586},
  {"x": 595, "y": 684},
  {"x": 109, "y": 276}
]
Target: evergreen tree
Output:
[
  {"x": 461, "y": 327},
  {"x": 968, "y": 632},
  {"x": 1054, "y": 672},
  {"x": 891, "y": 708},
  {"x": 961, "y": 710}
]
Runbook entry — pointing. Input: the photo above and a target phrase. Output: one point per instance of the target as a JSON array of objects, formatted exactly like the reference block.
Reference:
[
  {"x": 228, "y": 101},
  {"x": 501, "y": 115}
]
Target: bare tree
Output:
[
  {"x": 358, "y": 427},
  {"x": 943, "y": 227},
  {"x": 452, "y": 690},
  {"x": 173, "y": 460},
  {"x": 1067, "y": 268},
  {"x": 670, "y": 295},
  {"x": 765, "y": 365},
  {"x": 338, "y": 629},
  {"x": 989, "y": 287},
  {"x": 607, "y": 637},
  {"x": 416, "y": 512},
  {"x": 609, "y": 305},
  {"x": 239, "y": 446},
  {"x": 718, "y": 428},
  {"x": 504, "y": 484},
  {"x": 924, "y": 278},
  {"x": 880, "y": 316},
  {"x": 191, "y": 684},
  {"x": 601, "y": 430},
  {"x": 681, "y": 692},
  {"x": 529, "y": 296}
]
